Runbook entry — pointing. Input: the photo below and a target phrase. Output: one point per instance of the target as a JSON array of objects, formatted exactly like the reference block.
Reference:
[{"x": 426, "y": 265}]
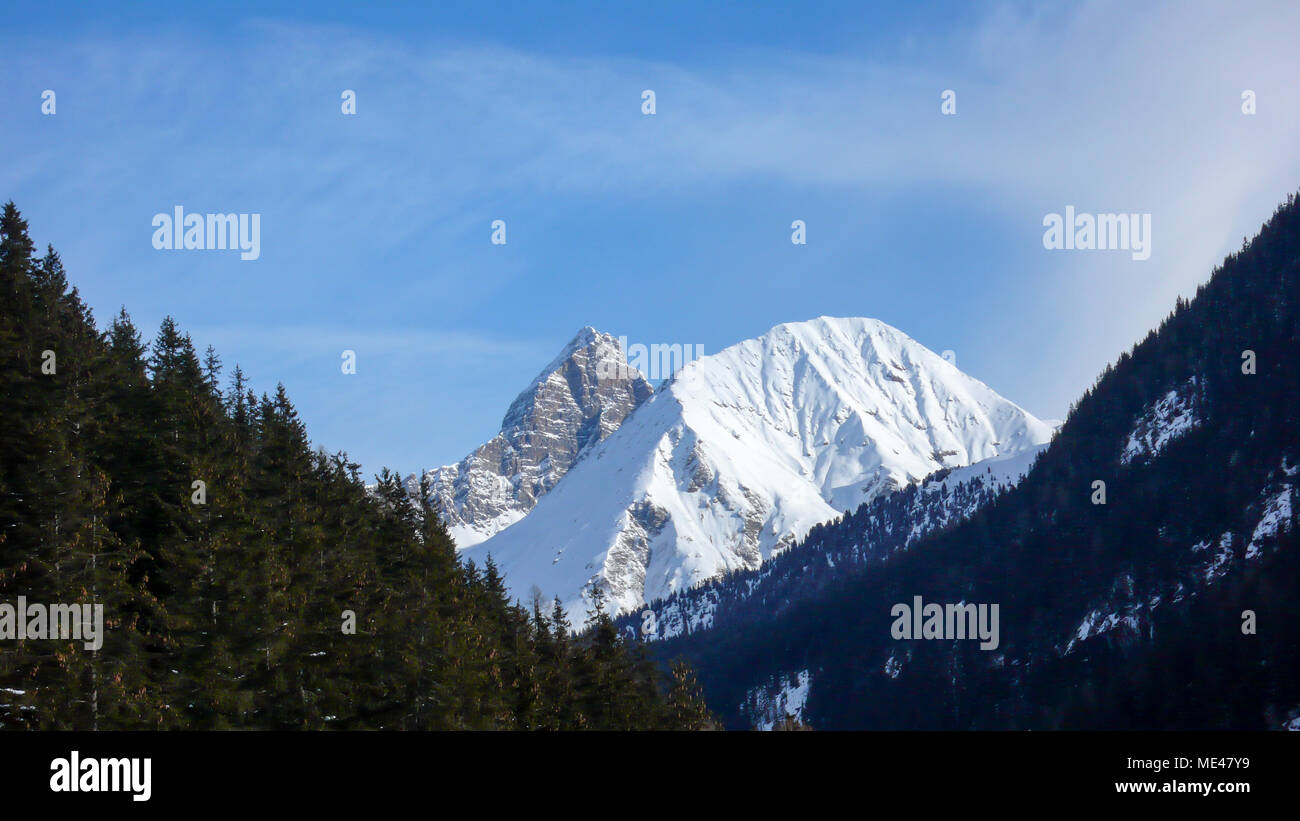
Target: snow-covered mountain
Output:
[
  {"x": 862, "y": 539},
  {"x": 737, "y": 456},
  {"x": 577, "y": 400},
  {"x": 1157, "y": 531}
]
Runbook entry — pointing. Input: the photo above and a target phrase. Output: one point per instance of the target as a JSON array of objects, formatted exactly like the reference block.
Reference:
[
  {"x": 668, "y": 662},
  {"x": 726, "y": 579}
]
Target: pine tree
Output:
[{"x": 686, "y": 708}]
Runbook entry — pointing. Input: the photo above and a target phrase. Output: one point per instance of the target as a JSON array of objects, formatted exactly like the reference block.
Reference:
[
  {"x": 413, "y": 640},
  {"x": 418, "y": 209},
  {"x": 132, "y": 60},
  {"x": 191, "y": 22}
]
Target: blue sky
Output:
[{"x": 674, "y": 227}]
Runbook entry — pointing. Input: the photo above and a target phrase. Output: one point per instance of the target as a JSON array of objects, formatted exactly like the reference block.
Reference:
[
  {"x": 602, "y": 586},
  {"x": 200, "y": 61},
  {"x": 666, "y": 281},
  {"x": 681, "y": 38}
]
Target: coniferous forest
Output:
[
  {"x": 249, "y": 581},
  {"x": 1179, "y": 549}
]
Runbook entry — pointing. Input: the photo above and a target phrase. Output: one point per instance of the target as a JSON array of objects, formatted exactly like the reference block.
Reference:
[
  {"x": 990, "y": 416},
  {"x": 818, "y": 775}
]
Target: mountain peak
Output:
[
  {"x": 571, "y": 405},
  {"x": 591, "y": 353},
  {"x": 744, "y": 450}
]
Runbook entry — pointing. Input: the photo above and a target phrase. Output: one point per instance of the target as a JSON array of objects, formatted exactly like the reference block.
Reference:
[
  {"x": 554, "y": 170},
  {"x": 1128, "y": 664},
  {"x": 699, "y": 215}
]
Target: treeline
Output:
[{"x": 247, "y": 580}]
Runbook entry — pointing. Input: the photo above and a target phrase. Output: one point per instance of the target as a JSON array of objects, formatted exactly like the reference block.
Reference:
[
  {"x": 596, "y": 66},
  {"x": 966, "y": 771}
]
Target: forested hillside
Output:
[
  {"x": 831, "y": 551},
  {"x": 227, "y": 603},
  {"x": 1163, "y": 599}
]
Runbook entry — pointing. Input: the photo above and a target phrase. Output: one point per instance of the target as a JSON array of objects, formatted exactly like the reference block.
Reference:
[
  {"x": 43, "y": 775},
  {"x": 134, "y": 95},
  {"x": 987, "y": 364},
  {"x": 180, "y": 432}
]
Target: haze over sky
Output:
[{"x": 671, "y": 228}]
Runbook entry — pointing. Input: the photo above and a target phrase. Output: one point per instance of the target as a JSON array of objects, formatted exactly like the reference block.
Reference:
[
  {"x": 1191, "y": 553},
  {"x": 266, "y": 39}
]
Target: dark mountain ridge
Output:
[{"x": 1125, "y": 614}]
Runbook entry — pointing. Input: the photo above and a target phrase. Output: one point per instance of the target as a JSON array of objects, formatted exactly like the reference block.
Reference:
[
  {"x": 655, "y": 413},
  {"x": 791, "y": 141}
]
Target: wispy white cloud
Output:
[{"x": 1108, "y": 106}]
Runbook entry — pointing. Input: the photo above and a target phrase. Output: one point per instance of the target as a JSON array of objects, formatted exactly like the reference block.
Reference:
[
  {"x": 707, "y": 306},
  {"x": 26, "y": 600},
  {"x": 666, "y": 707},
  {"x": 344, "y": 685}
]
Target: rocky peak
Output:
[{"x": 577, "y": 400}]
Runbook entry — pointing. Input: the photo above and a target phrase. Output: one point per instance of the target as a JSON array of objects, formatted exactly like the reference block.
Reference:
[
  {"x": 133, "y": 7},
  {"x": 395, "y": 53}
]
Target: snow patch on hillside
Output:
[
  {"x": 995, "y": 475},
  {"x": 766, "y": 709},
  {"x": 1129, "y": 621},
  {"x": 1172, "y": 416},
  {"x": 1220, "y": 557},
  {"x": 1275, "y": 519}
]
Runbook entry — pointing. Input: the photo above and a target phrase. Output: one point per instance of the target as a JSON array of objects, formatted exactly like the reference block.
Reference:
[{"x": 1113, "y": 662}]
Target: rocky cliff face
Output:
[{"x": 580, "y": 398}]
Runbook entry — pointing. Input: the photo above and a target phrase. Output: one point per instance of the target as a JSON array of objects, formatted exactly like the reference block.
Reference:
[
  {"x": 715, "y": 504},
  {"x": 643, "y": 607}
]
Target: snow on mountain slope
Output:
[
  {"x": 768, "y": 707},
  {"x": 864, "y": 538},
  {"x": 1172, "y": 416},
  {"x": 743, "y": 451},
  {"x": 580, "y": 398}
]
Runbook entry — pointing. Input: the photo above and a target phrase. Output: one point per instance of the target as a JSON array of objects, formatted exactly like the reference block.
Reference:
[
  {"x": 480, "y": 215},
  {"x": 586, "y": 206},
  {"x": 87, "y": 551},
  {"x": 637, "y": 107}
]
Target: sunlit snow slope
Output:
[{"x": 743, "y": 451}]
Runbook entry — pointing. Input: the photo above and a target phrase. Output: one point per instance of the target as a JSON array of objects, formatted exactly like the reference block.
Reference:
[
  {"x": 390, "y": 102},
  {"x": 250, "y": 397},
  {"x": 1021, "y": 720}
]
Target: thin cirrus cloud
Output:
[
  {"x": 1031, "y": 116},
  {"x": 1103, "y": 106}
]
